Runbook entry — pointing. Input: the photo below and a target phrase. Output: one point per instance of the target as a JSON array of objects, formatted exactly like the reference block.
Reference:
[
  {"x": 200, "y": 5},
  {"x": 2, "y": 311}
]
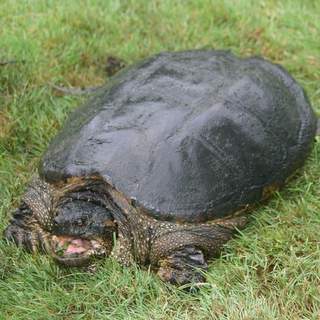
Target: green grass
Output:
[{"x": 271, "y": 271}]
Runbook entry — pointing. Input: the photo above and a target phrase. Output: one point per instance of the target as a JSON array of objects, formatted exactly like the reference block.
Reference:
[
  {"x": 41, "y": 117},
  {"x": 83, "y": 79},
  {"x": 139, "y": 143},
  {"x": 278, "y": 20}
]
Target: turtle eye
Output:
[{"x": 80, "y": 222}]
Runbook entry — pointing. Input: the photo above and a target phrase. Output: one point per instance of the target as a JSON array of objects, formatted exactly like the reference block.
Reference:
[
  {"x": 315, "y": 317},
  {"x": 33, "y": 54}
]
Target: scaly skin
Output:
[{"x": 177, "y": 251}]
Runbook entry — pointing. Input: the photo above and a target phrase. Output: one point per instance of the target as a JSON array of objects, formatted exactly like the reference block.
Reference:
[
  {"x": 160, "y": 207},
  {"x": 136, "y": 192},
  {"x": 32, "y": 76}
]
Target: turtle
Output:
[{"x": 165, "y": 163}]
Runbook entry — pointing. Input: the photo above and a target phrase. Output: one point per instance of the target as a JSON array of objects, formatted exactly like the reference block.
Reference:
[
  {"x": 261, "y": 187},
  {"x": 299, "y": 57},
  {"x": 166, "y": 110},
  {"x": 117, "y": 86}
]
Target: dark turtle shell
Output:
[{"x": 189, "y": 136}]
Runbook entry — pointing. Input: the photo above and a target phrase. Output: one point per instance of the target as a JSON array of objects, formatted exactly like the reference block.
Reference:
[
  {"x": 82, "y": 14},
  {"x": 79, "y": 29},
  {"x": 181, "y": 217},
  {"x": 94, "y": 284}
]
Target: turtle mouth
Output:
[{"x": 74, "y": 251}]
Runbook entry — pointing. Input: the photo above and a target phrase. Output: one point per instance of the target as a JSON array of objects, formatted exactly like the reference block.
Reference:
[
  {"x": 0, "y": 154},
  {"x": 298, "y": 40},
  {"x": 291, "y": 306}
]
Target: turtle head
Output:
[
  {"x": 71, "y": 226},
  {"x": 81, "y": 228}
]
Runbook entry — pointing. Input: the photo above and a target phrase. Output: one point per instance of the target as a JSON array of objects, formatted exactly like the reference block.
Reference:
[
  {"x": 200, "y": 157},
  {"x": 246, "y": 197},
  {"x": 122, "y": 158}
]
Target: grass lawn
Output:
[{"x": 271, "y": 271}]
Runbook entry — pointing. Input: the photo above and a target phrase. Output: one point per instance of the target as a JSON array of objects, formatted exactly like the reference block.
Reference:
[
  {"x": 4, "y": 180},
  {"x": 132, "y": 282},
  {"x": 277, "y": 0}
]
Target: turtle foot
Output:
[
  {"x": 22, "y": 231},
  {"x": 184, "y": 266}
]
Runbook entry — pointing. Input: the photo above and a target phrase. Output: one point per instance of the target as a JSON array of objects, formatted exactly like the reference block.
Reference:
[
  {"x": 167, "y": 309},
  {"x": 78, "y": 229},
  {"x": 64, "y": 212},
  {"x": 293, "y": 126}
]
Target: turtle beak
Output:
[
  {"x": 74, "y": 251},
  {"x": 80, "y": 261}
]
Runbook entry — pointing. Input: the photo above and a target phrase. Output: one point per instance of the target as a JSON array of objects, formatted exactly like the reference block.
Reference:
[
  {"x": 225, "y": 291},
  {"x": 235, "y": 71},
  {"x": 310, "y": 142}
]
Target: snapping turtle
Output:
[{"x": 163, "y": 165}]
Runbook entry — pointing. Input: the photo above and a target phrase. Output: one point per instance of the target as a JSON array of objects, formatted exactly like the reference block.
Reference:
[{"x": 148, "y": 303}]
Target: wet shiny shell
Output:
[{"x": 189, "y": 136}]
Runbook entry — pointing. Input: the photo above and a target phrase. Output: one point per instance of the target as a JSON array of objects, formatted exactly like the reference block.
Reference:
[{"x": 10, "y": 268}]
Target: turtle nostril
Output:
[
  {"x": 57, "y": 221},
  {"x": 80, "y": 222}
]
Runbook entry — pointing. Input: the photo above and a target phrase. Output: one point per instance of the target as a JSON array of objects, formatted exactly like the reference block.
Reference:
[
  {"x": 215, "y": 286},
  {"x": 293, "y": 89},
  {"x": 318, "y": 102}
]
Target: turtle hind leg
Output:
[{"x": 184, "y": 266}]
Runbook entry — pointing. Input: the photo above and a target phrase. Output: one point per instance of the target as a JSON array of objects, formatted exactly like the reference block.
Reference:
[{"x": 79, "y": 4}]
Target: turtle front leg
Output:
[
  {"x": 180, "y": 251},
  {"x": 183, "y": 266},
  {"x": 23, "y": 230},
  {"x": 122, "y": 251}
]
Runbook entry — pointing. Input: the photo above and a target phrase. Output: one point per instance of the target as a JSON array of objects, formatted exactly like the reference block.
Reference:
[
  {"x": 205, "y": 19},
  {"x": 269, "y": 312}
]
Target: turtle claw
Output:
[
  {"x": 19, "y": 231},
  {"x": 180, "y": 277},
  {"x": 22, "y": 238},
  {"x": 184, "y": 266}
]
